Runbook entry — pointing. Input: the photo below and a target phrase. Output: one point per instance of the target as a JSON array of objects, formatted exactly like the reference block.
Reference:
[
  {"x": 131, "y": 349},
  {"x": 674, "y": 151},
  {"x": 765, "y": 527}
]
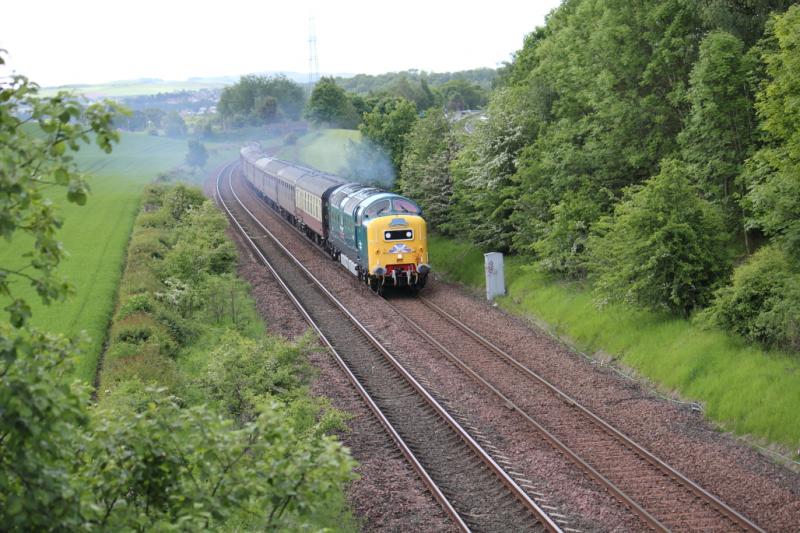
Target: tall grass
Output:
[{"x": 744, "y": 388}]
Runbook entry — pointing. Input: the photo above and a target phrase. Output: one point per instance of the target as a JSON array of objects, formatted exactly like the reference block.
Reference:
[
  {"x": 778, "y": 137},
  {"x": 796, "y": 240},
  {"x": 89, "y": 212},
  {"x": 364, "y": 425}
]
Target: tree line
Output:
[{"x": 650, "y": 148}]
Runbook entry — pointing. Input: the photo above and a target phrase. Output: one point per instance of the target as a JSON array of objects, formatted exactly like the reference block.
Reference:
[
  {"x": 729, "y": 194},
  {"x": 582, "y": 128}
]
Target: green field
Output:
[
  {"x": 95, "y": 236},
  {"x": 745, "y": 389},
  {"x": 134, "y": 88},
  {"x": 322, "y": 149}
]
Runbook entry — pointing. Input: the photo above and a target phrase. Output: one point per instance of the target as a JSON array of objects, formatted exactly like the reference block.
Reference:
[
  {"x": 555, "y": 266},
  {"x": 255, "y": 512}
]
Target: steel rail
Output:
[
  {"x": 515, "y": 489},
  {"x": 719, "y": 506}
]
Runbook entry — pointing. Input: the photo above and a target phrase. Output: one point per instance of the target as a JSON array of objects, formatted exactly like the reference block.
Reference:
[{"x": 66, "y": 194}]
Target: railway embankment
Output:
[{"x": 743, "y": 389}]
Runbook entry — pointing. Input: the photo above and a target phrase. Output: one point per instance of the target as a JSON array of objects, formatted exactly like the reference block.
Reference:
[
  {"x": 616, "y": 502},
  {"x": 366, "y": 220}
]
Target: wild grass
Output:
[{"x": 743, "y": 388}]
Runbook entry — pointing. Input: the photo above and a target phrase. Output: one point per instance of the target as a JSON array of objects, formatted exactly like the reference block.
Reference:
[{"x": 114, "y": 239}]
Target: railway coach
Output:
[{"x": 379, "y": 236}]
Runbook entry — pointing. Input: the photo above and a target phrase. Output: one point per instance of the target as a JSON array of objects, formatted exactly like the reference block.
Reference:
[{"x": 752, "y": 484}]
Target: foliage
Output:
[
  {"x": 37, "y": 138},
  {"x": 364, "y": 84},
  {"x": 459, "y": 94},
  {"x": 168, "y": 466},
  {"x": 432, "y": 147},
  {"x": 484, "y": 194},
  {"x": 198, "y": 155},
  {"x": 664, "y": 247},
  {"x": 720, "y": 129},
  {"x": 42, "y": 416},
  {"x": 244, "y": 372},
  {"x": 388, "y": 124},
  {"x": 174, "y": 125},
  {"x": 775, "y": 196},
  {"x": 330, "y": 105},
  {"x": 260, "y": 100},
  {"x": 763, "y": 302}
]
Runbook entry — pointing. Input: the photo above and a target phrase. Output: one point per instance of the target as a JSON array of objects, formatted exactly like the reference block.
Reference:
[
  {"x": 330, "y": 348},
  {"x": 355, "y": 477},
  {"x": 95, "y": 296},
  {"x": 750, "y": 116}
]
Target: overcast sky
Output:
[{"x": 92, "y": 41}]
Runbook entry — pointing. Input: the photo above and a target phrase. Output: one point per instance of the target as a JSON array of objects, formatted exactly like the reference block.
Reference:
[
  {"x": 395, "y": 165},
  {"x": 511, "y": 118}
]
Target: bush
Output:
[
  {"x": 135, "y": 304},
  {"x": 663, "y": 249},
  {"x": 243, "y": 371},
  {"x": 763, "y": 302}
]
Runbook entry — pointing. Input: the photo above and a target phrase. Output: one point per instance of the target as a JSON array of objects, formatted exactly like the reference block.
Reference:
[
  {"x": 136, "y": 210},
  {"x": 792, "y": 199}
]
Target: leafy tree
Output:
[
  {"x": 158, "y": 465},
  {"x": 775, "y": 197},
  {"x": 330, "y": 105},
  {"x": 458, "y": 95},
  {"x": 432, "y": 147},
  {"x": 663, "y": 249},
  {"x": 720, "y": 127},
  {"x": 484, "y": 193},
  {"x": 37, "y": 138},
  {"x": 43, "y": 414},
  {"x": 388, "y": 124},
  {"x": 198, "y": 155},
  {"x": 259, "y": 100}
]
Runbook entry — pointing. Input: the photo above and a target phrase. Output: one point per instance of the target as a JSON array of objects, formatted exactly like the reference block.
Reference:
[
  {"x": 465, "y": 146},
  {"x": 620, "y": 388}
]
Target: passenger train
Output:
[{"x": 379, "y": 236}]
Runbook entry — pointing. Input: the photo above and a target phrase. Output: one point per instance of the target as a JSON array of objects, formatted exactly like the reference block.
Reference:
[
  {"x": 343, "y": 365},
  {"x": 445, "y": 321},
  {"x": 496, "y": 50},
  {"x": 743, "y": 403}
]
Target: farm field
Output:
[
  {"x": 136, "y": 88},
  {"x": 96, "y": 235},
  {"x": 743, "y": 388}
]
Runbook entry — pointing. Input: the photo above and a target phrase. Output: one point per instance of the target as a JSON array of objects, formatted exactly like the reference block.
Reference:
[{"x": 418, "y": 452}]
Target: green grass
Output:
[
  {"x": 322, "y": 149},
  {"x": 745, "y": 389},
  {"x": 95, "y": 237}
]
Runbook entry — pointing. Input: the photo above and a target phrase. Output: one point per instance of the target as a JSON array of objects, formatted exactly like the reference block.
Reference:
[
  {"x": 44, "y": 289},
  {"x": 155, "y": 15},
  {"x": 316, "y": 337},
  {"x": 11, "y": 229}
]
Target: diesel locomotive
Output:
[{"x": 378, "y": 236}]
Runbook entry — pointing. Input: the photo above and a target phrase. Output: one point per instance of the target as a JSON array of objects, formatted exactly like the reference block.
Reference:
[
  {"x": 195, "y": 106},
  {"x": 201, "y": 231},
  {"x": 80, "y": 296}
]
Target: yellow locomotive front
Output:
[{"x": 397, "y": 248}]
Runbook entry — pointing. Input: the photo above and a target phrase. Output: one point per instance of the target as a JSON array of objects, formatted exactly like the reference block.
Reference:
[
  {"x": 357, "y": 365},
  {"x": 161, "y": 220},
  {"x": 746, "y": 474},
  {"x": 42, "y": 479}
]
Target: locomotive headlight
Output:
[
  {"x": 387, "y": 235},
  {"x": 408, "y": 234},
  {"x": 399, "y": 257}
]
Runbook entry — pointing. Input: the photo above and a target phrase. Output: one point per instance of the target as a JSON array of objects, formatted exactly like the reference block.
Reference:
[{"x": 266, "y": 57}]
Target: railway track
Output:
[
  {"x": 662, "y": 498},
  {"x": 472, "y": 488}
]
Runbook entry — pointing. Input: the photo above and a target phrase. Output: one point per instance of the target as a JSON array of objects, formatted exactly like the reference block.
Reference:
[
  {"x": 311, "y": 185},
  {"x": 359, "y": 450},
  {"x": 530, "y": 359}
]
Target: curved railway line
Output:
[
  {"x": 472, "y": 487},
  {"x": 662, "y": 498}
]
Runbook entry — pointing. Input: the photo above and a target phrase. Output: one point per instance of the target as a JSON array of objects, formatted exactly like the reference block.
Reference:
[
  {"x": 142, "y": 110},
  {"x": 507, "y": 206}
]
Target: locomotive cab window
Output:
[
  {"x": 401, "y": 206},
  {"x": 398, "y": 235},
  {"x": 377, "y": 209}
]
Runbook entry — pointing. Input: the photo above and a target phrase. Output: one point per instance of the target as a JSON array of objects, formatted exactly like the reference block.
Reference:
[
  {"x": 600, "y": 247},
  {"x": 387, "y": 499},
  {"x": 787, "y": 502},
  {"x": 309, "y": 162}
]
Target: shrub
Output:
[
  {"x": 664, "y": 248},
  {"x": 242, "y": 371},
  {"x": 763, "y": 302},
  {"x": 181, "y": 199},
  {"x": 135, "y": 304}
]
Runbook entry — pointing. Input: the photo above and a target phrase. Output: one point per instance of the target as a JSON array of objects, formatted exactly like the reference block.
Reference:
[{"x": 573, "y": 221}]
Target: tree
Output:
[
  {"x": 720, "y": 128},
  {"x": 388, "y": 124},
  {"x": 330, "y": 105},
  {"x": 198, "y": 155},
  {"x": 37, "y": 138},
  {"x": 664, "y": 248},
  {"x": 431, "y": 148},
  {"x": 174, "y": 125},
  {"x": 42, "y": 412},
  {"x": 260, "y": 100},
  {"x": 775, "y": 196}
]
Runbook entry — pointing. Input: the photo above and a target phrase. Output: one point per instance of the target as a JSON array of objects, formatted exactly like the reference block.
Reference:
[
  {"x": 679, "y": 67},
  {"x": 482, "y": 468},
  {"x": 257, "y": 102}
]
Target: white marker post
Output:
[{"x": 495, "y": 279}]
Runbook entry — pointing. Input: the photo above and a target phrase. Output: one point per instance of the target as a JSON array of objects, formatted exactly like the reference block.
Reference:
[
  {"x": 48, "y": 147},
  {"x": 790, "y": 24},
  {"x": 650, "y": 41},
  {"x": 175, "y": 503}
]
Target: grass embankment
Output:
[
  {"x": 745, "y": 389},
  {"x": 95, "y": 235},
  {"x": 185, "y": 322},
  {"x": 322, "y": 149}
]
